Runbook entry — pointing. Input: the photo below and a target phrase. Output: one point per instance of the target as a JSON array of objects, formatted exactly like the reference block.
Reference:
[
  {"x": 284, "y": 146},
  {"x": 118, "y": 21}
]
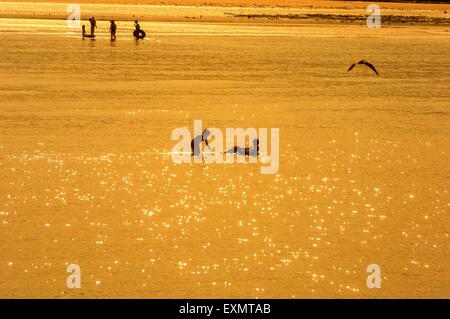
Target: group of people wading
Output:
[{"x": 138, "y": 33}]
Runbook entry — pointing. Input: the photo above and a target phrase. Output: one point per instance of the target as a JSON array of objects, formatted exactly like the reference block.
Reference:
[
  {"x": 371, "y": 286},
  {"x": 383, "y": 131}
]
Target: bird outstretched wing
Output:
[
  {"x": 351, "y": 67},
  {"x": 370, "y": 65}
]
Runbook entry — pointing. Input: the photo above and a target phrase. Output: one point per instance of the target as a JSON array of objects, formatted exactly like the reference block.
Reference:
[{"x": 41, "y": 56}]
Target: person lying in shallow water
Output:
[{"x": 247, "y": 151}]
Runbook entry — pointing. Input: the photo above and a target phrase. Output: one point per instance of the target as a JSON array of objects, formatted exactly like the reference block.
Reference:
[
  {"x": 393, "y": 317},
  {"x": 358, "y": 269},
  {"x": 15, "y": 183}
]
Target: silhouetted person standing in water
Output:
[
  {"x": 90, "y": 22},
  {"x": 138, "y": 33},
  {"x": 93, "y": 25},
  {"x": 113, "y": 29}
]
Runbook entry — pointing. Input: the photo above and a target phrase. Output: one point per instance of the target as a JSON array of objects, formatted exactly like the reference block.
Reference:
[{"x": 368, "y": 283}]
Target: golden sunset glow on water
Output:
[{"x": 87, "y": 176}]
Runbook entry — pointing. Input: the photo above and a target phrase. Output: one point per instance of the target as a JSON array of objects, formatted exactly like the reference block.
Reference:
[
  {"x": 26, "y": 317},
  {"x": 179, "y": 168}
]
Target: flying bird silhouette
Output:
[{"x": 364, "y": 62}]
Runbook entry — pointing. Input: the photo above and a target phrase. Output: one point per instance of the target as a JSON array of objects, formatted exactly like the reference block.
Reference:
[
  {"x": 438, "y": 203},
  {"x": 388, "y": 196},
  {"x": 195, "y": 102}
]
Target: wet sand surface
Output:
[
  {"x": 195, "y": 11},
  {"x": 87, "y": 179},
  {"x": 404, "y": 5}
]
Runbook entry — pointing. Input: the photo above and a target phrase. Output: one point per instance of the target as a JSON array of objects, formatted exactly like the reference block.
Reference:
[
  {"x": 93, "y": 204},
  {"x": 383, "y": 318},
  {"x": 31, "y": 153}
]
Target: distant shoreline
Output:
[
  {"x": 389, "y": 4},
  {"x": 280, "y": 12}
]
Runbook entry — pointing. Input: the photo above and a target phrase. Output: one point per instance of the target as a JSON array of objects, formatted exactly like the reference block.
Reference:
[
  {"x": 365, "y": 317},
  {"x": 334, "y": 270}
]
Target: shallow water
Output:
[{"x": 87, "y": 179}]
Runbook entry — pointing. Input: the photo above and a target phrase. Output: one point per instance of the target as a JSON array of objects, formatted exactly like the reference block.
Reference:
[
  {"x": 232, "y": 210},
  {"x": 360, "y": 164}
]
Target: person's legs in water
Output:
[{"x": 90, "y": 21}]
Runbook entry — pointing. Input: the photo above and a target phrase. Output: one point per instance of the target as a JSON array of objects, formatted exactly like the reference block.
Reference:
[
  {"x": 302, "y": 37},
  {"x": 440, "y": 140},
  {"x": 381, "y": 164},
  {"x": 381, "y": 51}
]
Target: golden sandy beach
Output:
[
  {"x": 264, "y": 3},
  {"x": 87, "y": 176},
  {"x": 234, "y": 11}
]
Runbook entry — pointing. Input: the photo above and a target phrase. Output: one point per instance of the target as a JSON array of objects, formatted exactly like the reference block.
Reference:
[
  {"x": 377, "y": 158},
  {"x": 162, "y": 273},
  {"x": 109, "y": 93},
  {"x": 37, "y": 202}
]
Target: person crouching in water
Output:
[
  {"x": 196, "y": 142},
  {"x": 113, "y": 29}
]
